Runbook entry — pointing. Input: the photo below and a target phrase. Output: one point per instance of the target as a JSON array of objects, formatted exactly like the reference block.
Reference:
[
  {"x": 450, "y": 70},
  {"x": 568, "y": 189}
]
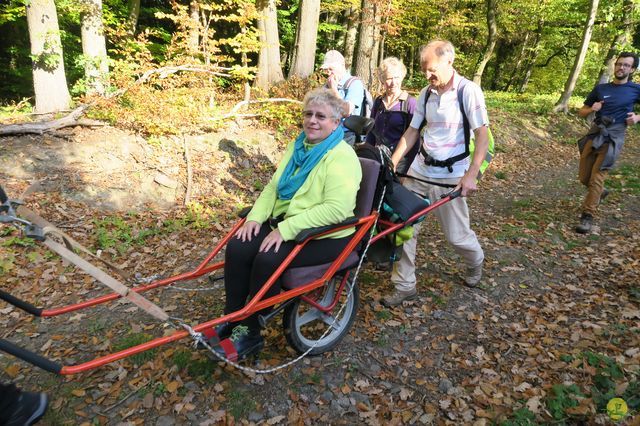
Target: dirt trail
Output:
[{"x": 454, "y": 355}]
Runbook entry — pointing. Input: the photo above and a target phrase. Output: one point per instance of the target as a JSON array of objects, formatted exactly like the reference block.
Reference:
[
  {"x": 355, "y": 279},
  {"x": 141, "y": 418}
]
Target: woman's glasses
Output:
[{"x": 308, "y": 115}]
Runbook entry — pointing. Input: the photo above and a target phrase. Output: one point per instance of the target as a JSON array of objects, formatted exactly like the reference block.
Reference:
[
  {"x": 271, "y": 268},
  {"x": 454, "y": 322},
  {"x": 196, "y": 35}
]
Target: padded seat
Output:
[{"x": 297, "y": 277}]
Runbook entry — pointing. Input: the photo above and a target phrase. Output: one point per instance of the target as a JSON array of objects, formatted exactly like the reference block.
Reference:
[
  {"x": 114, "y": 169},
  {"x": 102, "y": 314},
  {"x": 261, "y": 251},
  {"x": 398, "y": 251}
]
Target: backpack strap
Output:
[
  {"x": 449, "y": 162},
  {"x": 347, "y": 83}
]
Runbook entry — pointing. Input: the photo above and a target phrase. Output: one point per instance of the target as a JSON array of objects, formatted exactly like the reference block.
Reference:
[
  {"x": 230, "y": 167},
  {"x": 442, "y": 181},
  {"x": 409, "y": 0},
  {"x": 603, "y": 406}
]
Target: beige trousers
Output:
[{"x": 454, "y": 221}]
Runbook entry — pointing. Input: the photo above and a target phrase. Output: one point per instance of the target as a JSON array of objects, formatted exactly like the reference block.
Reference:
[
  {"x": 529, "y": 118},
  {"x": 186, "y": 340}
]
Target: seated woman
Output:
[
  {"x": 315, "y": 185},
  {"x": 393, "y": 111}
]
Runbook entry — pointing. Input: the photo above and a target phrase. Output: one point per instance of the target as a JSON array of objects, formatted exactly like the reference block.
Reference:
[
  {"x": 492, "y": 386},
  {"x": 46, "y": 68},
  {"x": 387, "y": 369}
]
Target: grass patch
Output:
[
  {"x": 500, "y": 175},
  {"x": 383, "y": 315},
  {"x": 521, "y": 417},
  {"x": 527, "y": 102},
  {"x": 240, "y": 404},
  {"x": 625, "y": 178},
  {"x": 436, "y": 298},
  {"x": 563, "y": 397},
  {"x": 132, "y": 340}
]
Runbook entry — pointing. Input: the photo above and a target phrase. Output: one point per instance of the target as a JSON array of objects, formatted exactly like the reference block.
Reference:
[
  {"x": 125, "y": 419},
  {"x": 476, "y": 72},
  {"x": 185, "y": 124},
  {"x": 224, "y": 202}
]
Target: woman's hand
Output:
[
  {"x": 274, "y": 239},
  {"x": 248, "y": 230}
]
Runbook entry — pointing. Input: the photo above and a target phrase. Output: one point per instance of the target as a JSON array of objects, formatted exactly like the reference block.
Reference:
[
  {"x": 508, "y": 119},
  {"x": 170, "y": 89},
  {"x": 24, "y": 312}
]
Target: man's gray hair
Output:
[
  {"x": 441, "y": 48},
  {"x": 322, "y": 96},
  {"x": 391, "y": 63}
]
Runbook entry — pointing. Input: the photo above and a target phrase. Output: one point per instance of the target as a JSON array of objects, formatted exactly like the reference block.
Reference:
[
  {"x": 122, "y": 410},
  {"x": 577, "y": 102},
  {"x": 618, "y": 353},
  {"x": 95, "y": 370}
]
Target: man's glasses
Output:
[
  {"x": 308, "y": 115},
  {"x": 621, "y": 65}
]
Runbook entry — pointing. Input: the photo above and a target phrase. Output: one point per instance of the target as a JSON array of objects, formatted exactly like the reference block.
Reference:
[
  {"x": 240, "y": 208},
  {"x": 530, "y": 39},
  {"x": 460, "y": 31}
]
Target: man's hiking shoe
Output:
[
  {"x": 473, "y": 276},
  {"x": 29, "y": 409},
  {"x": 586, "y": 221},
  {"x": 398, "y": 296},
  {"x": 605, "y": 192}
]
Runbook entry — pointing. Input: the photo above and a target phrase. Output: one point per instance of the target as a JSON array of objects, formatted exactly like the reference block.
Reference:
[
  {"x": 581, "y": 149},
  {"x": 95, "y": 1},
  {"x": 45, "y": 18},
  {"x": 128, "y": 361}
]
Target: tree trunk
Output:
[
  {"x": 134, "y": 12},
  {"x": 351, "y": 36},
  {"x": 535, "y": 51},
  {"x": 193, "y": 42},
  {"x": 411, "y": 60},
  {"x": 96, "y": 67},
  {"x": 303, "y": 61},
  {"x": 492, "y": 28},
  {"x": 366, "y": 43},
  {"x": 518, "y": 63},
  {"x": 621, "y": 38},
  {"x": 269, "y": 69},
  {"x": 563, "y": 102},
  {"x": 49, "y": 80}
]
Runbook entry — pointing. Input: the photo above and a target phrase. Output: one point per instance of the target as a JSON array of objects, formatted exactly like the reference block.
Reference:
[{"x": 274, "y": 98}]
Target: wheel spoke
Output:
[
  {"x": 311, "y": 315},
  {"x": 334, "y": 322}
]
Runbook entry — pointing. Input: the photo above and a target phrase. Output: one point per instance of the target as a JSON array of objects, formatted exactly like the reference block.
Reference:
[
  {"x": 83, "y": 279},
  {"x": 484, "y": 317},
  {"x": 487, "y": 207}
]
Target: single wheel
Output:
[{"x": 304, "y": 324}]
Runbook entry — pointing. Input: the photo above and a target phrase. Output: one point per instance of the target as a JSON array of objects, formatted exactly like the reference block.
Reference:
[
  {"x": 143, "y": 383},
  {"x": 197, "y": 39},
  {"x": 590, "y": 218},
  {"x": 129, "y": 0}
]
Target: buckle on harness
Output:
[{"x": 430, "y": 161}]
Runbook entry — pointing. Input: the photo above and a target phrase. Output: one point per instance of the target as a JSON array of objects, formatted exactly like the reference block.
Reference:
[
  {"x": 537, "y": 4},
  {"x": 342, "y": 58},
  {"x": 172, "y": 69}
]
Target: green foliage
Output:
[
  {"x": 132, "y": 340},
  {"x": 114, "y": 231},
  {"x": 240, "y": 403},
  {"x": 561, "y": 398},
  {"x": 533, "y": 103},
  {"x": 521, "y": 417},
  {"x": 17, "y": 241},
  {"x": 625, "y": 178},
  {"x": 6, "y": 263}
]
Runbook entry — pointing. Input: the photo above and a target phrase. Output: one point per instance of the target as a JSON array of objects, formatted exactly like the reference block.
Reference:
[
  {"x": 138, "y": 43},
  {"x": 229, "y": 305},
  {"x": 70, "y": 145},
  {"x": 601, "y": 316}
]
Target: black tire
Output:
[{"x": 304, "y": 325}]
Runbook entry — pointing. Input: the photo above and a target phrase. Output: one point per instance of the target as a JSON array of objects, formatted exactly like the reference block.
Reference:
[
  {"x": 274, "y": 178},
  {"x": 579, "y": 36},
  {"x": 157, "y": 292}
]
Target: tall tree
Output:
[
  {"x": 621, "y": 38},
  {"x": 350, "y": 36},
  {"x": 304, "y": 56},
  {"x": 269, "y": 69},
  {"x": 134, "y": 13},
  {"x": 49, "y": 79},
  {"x": 534, "y": 52},
  {"x": 563, "y": 102},
  {"x": 492, "y": 36},
  {"x": 193, "y": 40},
  {"x": 96, "y": 66},
  {"x": 365, "y": 61}
]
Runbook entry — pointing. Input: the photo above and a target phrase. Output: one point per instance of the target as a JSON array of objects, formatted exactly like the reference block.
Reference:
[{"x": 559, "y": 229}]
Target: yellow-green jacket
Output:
[{"x": 327, "y": 197}]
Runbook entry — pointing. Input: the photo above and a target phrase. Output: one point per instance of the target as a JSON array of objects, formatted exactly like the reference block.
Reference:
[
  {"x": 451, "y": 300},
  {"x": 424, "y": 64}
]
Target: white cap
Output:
[{"x": 332, "y": 59}]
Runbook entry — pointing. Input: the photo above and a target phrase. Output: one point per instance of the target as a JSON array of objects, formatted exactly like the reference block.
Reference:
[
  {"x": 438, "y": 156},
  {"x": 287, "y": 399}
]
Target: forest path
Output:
[{"x": 549, "y": 297}]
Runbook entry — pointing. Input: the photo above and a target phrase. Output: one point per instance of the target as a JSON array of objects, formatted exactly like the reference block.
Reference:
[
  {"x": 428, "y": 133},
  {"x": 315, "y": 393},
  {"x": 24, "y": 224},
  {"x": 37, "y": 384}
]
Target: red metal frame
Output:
[
  {"x": 254, "y": 305},
  {"x": 363, "y": 226}
]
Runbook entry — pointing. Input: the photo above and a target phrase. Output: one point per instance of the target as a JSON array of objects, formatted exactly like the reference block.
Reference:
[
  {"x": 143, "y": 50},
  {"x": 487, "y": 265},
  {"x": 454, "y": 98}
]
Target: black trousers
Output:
[
  {"x": 247, "y": 270},
  {"x": 8, "y": 398}
]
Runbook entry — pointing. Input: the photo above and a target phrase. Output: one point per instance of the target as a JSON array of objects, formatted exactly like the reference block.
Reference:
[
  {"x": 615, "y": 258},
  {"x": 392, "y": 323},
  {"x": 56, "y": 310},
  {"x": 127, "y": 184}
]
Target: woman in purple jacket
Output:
[{"x": 393, "y": 110}]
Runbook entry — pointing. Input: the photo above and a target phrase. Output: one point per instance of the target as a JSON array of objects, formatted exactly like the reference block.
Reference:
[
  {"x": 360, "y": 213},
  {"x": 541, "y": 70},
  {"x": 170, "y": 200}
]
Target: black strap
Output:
[
  {"x": 430, "y": 182},
  {"x": 449, "y": 162}
]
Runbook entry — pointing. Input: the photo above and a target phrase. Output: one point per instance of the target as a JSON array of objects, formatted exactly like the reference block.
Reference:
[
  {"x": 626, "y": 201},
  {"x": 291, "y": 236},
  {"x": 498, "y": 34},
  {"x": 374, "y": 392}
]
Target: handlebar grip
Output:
[
  {"x": 3, "y": 195},
  {"x": 18, "y": 303},
  {"x": 455, "y": 194},
  {"x": 31, "y": 357}
]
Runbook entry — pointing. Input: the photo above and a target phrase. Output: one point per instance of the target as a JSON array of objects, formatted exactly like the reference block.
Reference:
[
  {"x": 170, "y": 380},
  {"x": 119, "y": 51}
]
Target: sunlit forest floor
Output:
[{"x": 550, "y": 336}]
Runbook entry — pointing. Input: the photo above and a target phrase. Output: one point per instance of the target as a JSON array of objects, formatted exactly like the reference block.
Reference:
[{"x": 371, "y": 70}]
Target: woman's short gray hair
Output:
[
  {"x": 391, "y": 63},
  {"x": 323, "y": 96}
]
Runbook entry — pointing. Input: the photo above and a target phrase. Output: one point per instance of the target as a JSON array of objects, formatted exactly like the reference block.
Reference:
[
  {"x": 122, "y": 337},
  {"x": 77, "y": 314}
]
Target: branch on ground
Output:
[{"x": 70, "y": 120}]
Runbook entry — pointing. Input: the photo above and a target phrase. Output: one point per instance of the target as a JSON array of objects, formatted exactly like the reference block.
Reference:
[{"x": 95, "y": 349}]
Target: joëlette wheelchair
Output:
[{"x": 319, "y": 303}]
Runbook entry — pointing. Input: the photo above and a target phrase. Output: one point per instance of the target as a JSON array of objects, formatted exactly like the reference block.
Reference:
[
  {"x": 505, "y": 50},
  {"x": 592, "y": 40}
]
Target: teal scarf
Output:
[{"x": 304, "y": 160}]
